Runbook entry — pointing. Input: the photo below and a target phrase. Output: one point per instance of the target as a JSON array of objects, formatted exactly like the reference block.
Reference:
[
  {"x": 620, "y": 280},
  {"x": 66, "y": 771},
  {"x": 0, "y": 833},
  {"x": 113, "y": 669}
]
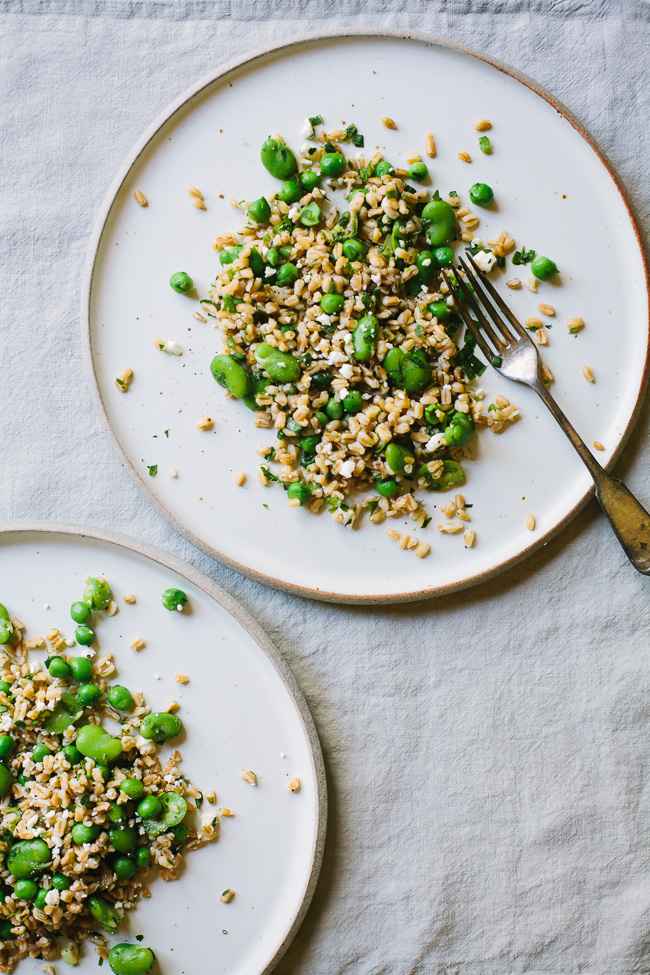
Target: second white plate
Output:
[{"x": 555, "y": 193}]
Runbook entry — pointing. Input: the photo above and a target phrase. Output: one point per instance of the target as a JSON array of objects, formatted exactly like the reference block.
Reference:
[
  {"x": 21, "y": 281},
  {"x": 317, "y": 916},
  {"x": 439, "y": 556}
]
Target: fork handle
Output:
[{"x": 628, "y": 518}]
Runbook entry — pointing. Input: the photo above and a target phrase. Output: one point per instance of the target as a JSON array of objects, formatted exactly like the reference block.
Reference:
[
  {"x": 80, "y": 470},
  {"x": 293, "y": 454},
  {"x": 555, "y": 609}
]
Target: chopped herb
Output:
[
  {"x": 497, "y": 361},
  {"x": 269, "y": 476},
  {"x": 161, "y": 346},
  {"x": 428, "y": 519},
  {"x": 419, "y": 330},
  {"x": 153, "y": 470},
  {"x": 372, "y": 506},
  {"x": 573, "y": 331},
  {"x": 353, "y": 135},
  {"x": 453, "y": 193},
  {"x": 501, "y": 261},
  {"x": 271, "y": 454},
  {"x": 468, "y": 505},
  {"x": 492, "y": 408},
  {"x": 199, "y": 800},
  {"x": 532, "y": 328},
  {"x": 139, "y": 937},
  {"x": 330, "y": 147},
  {"x": 409, "y": 189},
  {"x": 391, "y": 194},
  {"x": 120, "y": 383},
  {"x": 265, "y": 506},
  {"x": 485, "y": 145},
  {"x": 316, "y": 120},
  {"x": 167, "y": 434},
  {"x": 365, "y": 173},
  {"x": 523, "y": 256}
]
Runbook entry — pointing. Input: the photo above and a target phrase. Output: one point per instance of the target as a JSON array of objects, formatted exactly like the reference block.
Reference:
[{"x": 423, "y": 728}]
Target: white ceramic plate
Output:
[
  {"x": 555, "y": 193},
  {"x": 241, "y": 708}
]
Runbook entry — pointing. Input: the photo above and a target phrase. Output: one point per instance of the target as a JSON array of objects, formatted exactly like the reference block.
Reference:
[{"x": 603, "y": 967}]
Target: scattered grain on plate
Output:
[
  {"x": 465, "y": 156},
  {"x": 588, "y": 374},
  {"x": 468, "y": 538},
  {"x": 111, "y": 609},
  {"x": 123, "y": 381},
  {"x": 248, "y": 776},
  {"x": 36, "y": 643},
  {"x": 199, "y": 317},
  {"x": 403, "y": 541},
  {"x": 547, "y": 375},
  {"x": 140, "y": 198},
  {"x": 530, "y": 523},
  {"x": 227, "y": 896},
  {"x": 53, "y": 634},
  {"x": 575, "y": 325},
  {"x": 261, "y": 478},
  {"x": 422, "y": 550},
  {"x": 172, "y": 472},
  {"x": 205, "y": 423},
  {"x": 392, "y": 533},
  {"x": 541, "y": 336},
  {"x": 181, "y": 678},
  {"x": 129, "y": 598},
  {"x": 240, "y": 478},
  {"x": 199, "y": 204},
  {"x": 172, "y": 706},
  {"x": 413, "y": 157},
  {"x": 514, "y": 283},
  {"x": 450, "y": 527},
  {"x": 430, "y": 145},
  {"x": 482, "y": 124},
  {"x": 293, "y": 785},
  {"x": 531, "y": 284},
  {"x": 138, "y": 644},
  {"x": 223, "y": 810},
  {"x": 546, "y": 309},
  {"x": 598, "y": 445},
  {"x": 388, "y": 123}
]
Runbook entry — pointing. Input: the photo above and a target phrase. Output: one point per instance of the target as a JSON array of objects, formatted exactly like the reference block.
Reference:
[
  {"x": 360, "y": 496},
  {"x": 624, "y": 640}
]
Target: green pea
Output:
[
  {"x": 418, "y": 172},
  {"x": 481, "y": 194},
  {"x": 426, "y": 264},
  {"x": 26, "y": 890},
  {"x": 84, "y": 834},
  {"x": 72, "y": 754},
  {"x": 181, "y": 282},
  {"x": 174, "y": 810},
  {"x": 40, "y": 751},
  {"x": 256, "y": 263},
  {"x": 459, "y": 429},
  {"x": 400, "y": 459},
  {"x": 364, "y": 338},
  {"x": 387, "y": 487},
  {"x": 452, "y": 474},
  {"x": 444, "y": 256},
  {"x": 5, "y": 930},
  {"x": 116, "y": 813},
  {"x": 6, "y": 779},
  {"x": 332, "y": 303},
  {"x": 126, "y": 959},
  {"x": 286, "y": 251},
  {"x": 297, "y": 491},
  {"x": 124, "y": 867},
  {"x": 230, "y": 254},
  {"x": 81, "y": 669},
  {"x": 322, "y": 418},
  {"x": 58, "y": 667},
  {"x": 143, "y": 857},
  {"x": 60, "y": 881},
  {"x": 104, "y": 913},
  {"x": 352, "y": 403},
  {"x": 93, "y": 742},
  {"x": 7, "y": 631},
  {"x": 384, "y": 168},
  {"x": 289, "y": 192},
  {"x": 120, "y": 697},
  {"x": 259, "y": 210},
  {"x": 149, "y": 808},
  {"x": 40, "y": 900},
  {"x": 97, "y": 594},
  {"x": 439, "y": 222},
  {"x": 161, "y": 726},
  {"x": 4, "y": 612},
  {"x": 88, "y": 694},
  {"x": 85, "y": 635},
  {"x": 6, "y": 746},
  {"x": 334, "y": 409},
  {"x": 123, "y": 839},
  {"x": 288, "y": 274},
  {"x": 79, "y": 612},
  {"x": 333, "y": 164},
  {"x": 27, "y": 858},
  {"x": 282, "y": 367},
  {"x": 278, "y": 159},
  {"x": 309, "y": 181},
  {"x": 354, "y": 249},
  {"x": 440, "y": 309},
  {"x": 542, "y": 267},
  {"x": 273, "y": 256},
  {"x": 231, "y": 375},
  {"x": 310, "y": 215},
  {"x": 133, "y": 788}
]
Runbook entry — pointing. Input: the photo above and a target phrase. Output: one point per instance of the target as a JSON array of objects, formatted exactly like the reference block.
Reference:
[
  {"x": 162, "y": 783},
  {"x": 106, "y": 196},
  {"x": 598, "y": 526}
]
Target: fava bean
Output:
[
  {"x": 231, "y": 375},
  {"x": 6, "y": 746},
  {"x": 288, "y": 274},
  {"x": 6, "y": 779},
  {"x": 230, "y": 254},
  {"x": 126, "y": 959},
  {"x": 400, "y": 459},
  {"x": 364, "y": 338},
  {"x": 27, "y": 858},
  {"x": 282, "y": 367},
  {"x": 7, "y": 631},
  {"x": 93, "y": 742},
  {"x": 310, "y": 215},
  {"x": 452, "y": 474},
  {"x": 278, "y": 159},
  {"x": 104, "y": 913},
  {"x": 426, "y": 265},
  {"x": 407, "y": 370},
  {"x": 174, "y": 810},
  {"x": 120, "y": 697},
  {"x": 440, "y": 310},
  {"x": 161, "y": 726},
  {"x": 459, "y": 429},
  {"x": 97, "y": 593},
  {"x": 439, "y": 222}
]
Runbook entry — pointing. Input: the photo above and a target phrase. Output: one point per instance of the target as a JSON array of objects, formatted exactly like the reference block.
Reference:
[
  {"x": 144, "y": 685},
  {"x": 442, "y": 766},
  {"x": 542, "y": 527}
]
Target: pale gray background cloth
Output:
[{"x": 487, "y": 753}]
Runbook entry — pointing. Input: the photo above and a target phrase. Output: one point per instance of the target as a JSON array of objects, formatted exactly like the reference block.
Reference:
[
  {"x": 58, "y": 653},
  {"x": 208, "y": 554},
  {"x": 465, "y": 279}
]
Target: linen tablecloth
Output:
[{"x": 487, "y": 753}]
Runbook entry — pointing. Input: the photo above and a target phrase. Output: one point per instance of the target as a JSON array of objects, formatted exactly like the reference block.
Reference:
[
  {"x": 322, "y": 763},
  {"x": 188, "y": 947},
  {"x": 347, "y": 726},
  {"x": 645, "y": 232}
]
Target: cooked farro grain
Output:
[
  {"x": 514, "y": 283},
  {"x": 464, "y": 156},
  {"x": 546, "y": 309},
  {"x": 140, "y": 198},
  {"x": 530, "y": 523},
  {"x": 227, "y": 896},
  {"x": 123, "y": 381},
  {"x": 138, "y": 644},
  {"x": 598, "y": 445},
  {"x": 129, "y": 598},
  {"x": 588, "y": 374},
  {"x": 575, "y": 325},
  {"x": 430, "y": 145},
  {"x": 293, "y": 785},
  {"x": 469, "y": 538},
  {"x": 248, "y": 776},
  {"x": 482, "y": 125},
  {"x": 388, "y": 123},
  {"x": 240, "y": 478},
  {"x": 49, "y": 796},
  {"x": 204, "y": 423}
]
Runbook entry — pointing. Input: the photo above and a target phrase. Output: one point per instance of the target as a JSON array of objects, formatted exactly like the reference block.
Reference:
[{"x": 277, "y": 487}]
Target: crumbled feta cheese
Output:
[
  {"x": 52, "y": 898},
  {"x": 335, "y": 357},
  {"x": 145, "y": 746},
  {"x": 172, "y": 348},
  {"x": 346, "y": 370},
  {"x": 294, "y": 213},
  {"x": 437, "y": 440},
  {"x": 375, "y": 278},
  {"x": 307, "y": 129},
  {"x": 485, "y": 260},
  {"x": 346, "y": 469},
  {"x": 426, "y": 262},
  {"x": 269, "y": 272}
]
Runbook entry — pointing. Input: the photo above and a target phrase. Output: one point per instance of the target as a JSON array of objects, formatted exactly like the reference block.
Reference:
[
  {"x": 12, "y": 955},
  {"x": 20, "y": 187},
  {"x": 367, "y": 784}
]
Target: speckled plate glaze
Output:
[
  {"x": 555, "y": 192},
  {"x": 241, "y": 708}
]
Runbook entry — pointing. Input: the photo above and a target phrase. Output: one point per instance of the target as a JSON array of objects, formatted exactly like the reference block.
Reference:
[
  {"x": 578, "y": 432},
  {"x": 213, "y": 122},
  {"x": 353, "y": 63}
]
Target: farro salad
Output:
[
  {"x": 341, "y": 334},
  {"x": 87, "y": 811}
]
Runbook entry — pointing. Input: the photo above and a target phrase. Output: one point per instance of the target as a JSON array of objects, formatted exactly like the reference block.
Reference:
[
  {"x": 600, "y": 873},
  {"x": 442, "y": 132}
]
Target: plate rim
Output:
[
  {"x": 244, "y": 618},
  {"x": 92, "y": 260}
]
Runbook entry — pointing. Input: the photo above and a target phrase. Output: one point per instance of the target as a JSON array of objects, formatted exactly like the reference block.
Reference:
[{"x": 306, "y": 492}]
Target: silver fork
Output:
[{"x": 514, "y": 354}]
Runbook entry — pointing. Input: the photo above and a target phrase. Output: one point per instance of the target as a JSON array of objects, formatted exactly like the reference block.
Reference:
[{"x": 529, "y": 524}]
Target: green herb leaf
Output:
[
  {"x": 167, "y": 434},
  {"x": 153, "y": 470},
  {"x": 523, "y": 256},
  {"x": 316, "y": 119}
]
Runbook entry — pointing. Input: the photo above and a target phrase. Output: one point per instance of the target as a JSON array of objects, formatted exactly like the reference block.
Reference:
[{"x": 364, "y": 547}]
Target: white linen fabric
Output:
[{"x": 487, "y": 753}]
